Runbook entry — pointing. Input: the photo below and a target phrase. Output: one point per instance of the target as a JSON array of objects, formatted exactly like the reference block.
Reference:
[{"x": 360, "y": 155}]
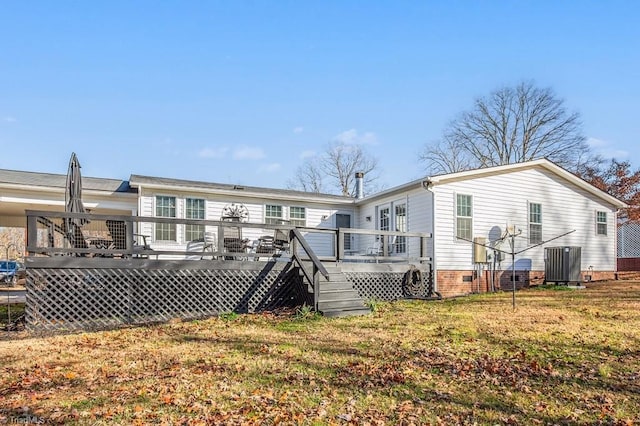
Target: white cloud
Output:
[
  {"x": 298, "y": 129},
  {"x": 606, "y": 149},
  {"x": 352, "y": 137},
  {"x": 269, "y": 168},
  {"x": 248, "y": 153},
  {"x": 9, "y": 119},
  {"x": 307, "y": 154},
  {"x": 213, "y": 152}
]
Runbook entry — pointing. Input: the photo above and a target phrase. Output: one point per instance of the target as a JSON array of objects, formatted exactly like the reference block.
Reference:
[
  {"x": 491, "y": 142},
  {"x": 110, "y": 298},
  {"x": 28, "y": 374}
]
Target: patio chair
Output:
[
  {"x": 195, "y": 250},
  {"x": 210, "y": 244},
  {"x": 375, "y": 250},
  {"x": 264, "y": 246},
  {"x": 281, "y": 240},
  {"x": 233, "y": 242},
  {"x": 118, "y": 231}
]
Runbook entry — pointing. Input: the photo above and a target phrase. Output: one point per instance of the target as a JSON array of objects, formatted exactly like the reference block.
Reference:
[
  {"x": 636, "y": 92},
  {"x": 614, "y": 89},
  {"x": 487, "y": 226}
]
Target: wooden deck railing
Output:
[
  {"x": 92, "y": 235},
  {"x": 317, "y": 268}
]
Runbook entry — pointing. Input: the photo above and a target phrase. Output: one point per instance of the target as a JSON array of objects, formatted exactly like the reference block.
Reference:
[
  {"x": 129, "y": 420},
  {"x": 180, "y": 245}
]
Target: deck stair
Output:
[{"x": 338, "y": 297}]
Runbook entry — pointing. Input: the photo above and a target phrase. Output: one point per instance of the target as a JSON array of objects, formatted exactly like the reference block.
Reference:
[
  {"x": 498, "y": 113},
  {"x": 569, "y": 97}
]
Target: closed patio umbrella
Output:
[{"x": 73, "y": 203}]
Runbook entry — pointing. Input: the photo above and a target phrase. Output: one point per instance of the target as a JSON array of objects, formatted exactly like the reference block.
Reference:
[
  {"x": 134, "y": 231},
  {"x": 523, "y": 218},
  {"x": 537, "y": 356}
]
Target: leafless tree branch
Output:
[{"x": 511, "y": 125}]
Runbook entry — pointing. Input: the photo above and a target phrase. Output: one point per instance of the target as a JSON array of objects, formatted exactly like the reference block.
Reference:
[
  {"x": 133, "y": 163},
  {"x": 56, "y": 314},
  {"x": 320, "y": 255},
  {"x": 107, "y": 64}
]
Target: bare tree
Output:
[
  {"x": 511, "y": 125},
  {"x": 446, "y": 156},
  {"x": 334, "y": 170}
]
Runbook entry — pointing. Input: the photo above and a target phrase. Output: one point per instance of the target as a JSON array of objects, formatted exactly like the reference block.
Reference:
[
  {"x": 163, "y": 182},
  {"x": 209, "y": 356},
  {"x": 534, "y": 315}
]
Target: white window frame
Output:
[
  {"x": 459, "y": 217},
  {"x": 194, "y": 230},
  {"x": 273, "y": 220},
  {"x": 604, "y": 224},
  {"x": 387, "y": 225},
  {"x": 400, "y": 242},
  {"x": 533, "y": 224},
  {"x": 298, "y": 221},
  {"x": 161, "y": 228}
]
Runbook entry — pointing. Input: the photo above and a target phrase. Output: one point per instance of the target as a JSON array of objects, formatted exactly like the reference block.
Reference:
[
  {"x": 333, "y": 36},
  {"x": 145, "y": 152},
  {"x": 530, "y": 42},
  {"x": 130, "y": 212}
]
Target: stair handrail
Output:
[{"x": 318, "y": 267}]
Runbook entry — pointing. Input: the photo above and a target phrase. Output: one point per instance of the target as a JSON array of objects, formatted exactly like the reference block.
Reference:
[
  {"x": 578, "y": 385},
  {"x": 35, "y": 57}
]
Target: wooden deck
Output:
[{"x": 103, "y": 284}]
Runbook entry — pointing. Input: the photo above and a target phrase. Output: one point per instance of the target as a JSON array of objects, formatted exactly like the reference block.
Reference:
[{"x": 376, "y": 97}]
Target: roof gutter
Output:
[{"x": 240, "y": 192}]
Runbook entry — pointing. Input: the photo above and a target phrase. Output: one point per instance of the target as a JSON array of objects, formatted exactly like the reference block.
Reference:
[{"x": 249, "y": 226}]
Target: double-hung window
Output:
[
  {"x": 535, "y": 223},
  {"x": 165, "y": 207},
  {"x": 601, "y": 223},
  {"x": 273, "y": 215},
  {"x": 194, "y": 209},
  {"x": 464, "y": 216},
  {"x": 298, "y": 216}
]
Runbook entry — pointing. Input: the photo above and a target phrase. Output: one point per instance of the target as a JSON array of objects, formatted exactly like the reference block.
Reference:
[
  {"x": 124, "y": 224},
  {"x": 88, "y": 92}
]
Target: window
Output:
[
  {"x": 384, "y": 219},
  {"x": 400, "y": 245},
  {"x": 601, "y": 223},
  {"x": 273, "y": 215},
  {"x": 535, "y": 223},
  {"x": 464, "y": 216},
  {"x": 298, "y": 216},
  {"x": 194, "y": 209},
  {"x": 165, "y": 207}
]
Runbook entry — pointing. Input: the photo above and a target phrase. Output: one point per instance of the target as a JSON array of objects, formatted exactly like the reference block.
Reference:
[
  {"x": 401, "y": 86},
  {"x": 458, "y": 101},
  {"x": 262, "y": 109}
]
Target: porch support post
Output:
[
  {"x": 423, "y": 247},
  {"x": 129, "y": 236},
  {"x": 316, "y": 287},
  {"x": 32, "y": 233}
]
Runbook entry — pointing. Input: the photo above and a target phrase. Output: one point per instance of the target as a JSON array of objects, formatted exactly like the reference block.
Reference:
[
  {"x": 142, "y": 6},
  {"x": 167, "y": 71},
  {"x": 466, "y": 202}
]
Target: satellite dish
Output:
[{"x": 495, "y": 236}]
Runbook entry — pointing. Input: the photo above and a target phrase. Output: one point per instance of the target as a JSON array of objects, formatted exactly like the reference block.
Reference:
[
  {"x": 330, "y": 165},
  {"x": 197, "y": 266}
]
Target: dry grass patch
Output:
[{"x": 561, "y": 357}]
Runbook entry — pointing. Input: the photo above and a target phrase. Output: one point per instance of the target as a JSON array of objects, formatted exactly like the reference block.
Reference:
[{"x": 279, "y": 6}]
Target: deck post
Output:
[
  {"x": 385, "y": 245},
  {"x": 32, "y": 233},
  {"x": 423, "y": 247},
  {"x": 128, "y": 226},
  {"x": 220, "y": 248},
  {"x": 294, "y": 243},
  {"x": 340, "y": 240},
  {"x": 316, "y": 287}
]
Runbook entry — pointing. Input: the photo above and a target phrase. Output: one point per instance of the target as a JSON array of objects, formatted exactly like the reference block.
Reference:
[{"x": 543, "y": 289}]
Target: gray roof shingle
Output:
[
  {"x": 149, "y": 180},
  {"x": 59, "y": 181}
]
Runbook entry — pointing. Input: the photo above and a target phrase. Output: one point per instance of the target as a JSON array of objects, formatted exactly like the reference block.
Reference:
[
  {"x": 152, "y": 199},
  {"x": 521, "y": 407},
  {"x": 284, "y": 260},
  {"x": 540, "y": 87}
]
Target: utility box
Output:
[
  {"x": 563, "y": 265},
  {"x": 479, "y": 250}
]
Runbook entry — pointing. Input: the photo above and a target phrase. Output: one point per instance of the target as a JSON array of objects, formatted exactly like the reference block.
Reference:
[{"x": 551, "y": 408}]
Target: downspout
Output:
[{"x": 427, "y": 184}]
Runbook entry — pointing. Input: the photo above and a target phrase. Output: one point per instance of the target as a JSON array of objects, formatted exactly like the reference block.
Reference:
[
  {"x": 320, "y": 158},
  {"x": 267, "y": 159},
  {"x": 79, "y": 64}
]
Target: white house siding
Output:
[
  {"x": 503, "y": 199},
  {"x": 419, "y": 216},
  {"x": 317, "y": 216}
]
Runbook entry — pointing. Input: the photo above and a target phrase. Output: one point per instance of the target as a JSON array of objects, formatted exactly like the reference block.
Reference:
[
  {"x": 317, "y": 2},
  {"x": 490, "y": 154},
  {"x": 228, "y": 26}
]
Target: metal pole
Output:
[
  {"x": 513, "y": 269},
  {"x": 8, "y": 292}
]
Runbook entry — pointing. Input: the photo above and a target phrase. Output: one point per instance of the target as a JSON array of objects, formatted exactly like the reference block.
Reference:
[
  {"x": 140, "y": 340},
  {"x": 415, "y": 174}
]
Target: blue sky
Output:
[{"x": 242, "y": 91}]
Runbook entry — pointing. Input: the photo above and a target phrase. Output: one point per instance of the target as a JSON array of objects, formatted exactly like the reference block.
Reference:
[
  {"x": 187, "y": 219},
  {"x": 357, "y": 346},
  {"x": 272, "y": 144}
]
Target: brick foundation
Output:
[
  {"x": 458, "y": 283},
  {"x": 628, "y": 264}
]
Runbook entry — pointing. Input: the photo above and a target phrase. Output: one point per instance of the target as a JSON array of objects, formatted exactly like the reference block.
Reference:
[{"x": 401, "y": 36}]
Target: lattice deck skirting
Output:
[
  {"x": 378, "y": 285},
  {"x": 389, "y": 282},
  {"x": 108, "y": 296},
  {"x": 72, "y": 294},
  {"x": 629, "y": 240}
]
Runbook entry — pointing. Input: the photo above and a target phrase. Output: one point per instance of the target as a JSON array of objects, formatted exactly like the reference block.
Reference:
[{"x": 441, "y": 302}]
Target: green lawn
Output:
[{"x": 562, "y": 357}]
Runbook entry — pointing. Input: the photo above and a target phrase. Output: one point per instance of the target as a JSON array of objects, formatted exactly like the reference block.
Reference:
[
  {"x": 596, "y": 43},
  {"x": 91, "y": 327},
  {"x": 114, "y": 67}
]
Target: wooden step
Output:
[
  {"x": 340, "y": 285},
  {"x": 346, "y": 303},
  {"x": 346, "y": 312},
  {"x": 338, "y": 295}
]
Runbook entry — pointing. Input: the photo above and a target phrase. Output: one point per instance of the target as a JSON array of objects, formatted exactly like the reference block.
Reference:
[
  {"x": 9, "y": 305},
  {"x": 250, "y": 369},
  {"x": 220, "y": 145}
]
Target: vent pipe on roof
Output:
[{"x": 359, "y": 185}]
